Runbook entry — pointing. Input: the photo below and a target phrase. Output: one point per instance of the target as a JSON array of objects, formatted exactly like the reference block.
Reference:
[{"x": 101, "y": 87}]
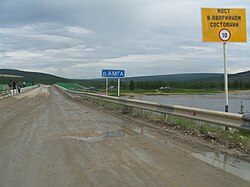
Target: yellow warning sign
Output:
[{"x": 224, "y": 25}]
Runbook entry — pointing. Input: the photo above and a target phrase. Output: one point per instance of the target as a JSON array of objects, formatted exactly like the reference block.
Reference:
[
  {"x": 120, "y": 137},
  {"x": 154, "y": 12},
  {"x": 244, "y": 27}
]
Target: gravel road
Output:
[{"x": 48, "y": 139}]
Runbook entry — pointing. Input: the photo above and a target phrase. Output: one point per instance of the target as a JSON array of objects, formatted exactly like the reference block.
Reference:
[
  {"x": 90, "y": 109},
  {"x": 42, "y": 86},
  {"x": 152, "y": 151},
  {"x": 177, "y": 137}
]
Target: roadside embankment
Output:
[{"x": 235, "y": 141}]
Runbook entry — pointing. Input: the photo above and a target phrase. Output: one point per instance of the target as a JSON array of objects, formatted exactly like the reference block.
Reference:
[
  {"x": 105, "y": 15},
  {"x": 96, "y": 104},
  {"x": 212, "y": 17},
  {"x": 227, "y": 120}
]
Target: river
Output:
[{"x": 210, "y": 101}]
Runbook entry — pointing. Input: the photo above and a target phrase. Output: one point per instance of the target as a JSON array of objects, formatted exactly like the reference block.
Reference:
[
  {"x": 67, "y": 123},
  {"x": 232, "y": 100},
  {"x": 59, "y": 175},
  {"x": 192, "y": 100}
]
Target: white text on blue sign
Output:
[{"x": 113, "y": 73}]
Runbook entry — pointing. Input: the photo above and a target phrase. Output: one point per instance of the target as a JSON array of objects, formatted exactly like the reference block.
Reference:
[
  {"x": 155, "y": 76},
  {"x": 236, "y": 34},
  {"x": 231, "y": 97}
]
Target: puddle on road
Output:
[
  {"x": 139, "y": 130},
  {"x": 94, "y": 139},
  {"x": 113, "y": 134},
  {"x": 90, "y": 139},
  {"x": 227, "y": 163}
]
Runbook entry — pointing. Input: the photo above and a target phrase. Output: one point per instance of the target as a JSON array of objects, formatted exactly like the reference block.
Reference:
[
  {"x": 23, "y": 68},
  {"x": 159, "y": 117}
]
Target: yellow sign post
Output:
[{"x": 224, "y": 25}]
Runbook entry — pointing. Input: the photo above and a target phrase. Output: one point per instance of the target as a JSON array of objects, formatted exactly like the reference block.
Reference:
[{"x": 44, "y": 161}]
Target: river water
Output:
[{"x": 211, "y": 102}]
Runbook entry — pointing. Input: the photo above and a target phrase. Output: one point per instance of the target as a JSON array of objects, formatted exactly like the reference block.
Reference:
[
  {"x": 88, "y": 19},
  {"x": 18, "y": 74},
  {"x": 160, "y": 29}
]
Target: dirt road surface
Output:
[{"x": 47, "y": 140}]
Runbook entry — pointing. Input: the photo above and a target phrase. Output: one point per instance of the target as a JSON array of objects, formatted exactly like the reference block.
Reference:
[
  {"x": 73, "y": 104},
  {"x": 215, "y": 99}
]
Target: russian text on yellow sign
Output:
[{"x": 214, "y": 20}]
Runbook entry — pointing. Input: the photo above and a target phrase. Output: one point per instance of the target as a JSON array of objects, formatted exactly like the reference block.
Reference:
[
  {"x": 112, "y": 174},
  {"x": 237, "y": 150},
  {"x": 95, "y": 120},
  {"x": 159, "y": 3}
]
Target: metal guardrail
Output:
[{"x": 227, "y": 119}]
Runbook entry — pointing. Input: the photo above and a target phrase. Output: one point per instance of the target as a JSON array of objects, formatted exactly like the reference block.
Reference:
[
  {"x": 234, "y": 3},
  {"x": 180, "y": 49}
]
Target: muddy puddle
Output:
[
  {"x": 101, "y": 137},
  {"x": 227, "y": 163},
  {"x": 90, "y": 139},
  {"x": 113, "y": 134}
]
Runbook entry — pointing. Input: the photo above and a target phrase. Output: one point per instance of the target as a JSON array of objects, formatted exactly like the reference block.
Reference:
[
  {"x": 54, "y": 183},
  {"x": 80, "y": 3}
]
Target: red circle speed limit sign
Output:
[{"x": 224, "y": 34}]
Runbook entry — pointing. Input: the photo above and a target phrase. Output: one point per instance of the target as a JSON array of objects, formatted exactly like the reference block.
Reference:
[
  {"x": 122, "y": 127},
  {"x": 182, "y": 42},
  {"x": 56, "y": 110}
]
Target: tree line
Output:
[{"x": 146, "y": 85}]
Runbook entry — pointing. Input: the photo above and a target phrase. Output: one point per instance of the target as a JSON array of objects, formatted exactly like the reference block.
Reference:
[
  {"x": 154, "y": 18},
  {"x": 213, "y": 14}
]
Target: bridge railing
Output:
[
  {"x": 5, "y": 92},
  {"x": 238, "y": 121},
  {"x": 4, "y": 89}
]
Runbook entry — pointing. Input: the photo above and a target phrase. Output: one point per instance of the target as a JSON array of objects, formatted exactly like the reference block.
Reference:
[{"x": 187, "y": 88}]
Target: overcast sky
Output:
[{"x": 79, "y": 38}]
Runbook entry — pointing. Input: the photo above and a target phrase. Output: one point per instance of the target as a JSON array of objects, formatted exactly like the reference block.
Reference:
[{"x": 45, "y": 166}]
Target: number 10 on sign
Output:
[{"x": 224, "y": 35}]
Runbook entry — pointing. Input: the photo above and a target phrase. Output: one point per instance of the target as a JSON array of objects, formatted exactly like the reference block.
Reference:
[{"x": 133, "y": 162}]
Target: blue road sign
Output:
[{"x": 109, "y": 73}]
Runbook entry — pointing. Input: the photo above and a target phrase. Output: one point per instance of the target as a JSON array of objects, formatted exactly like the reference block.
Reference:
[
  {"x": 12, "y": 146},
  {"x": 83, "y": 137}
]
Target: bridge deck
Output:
[{"x": 48, "y": 139}]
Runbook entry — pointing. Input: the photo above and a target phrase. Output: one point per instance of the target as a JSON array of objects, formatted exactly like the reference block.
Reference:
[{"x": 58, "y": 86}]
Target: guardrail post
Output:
[
  {"x": 141, "y": 113},
  {"x": 164, "y": 117},
  {"x": 246, "y": 121}
]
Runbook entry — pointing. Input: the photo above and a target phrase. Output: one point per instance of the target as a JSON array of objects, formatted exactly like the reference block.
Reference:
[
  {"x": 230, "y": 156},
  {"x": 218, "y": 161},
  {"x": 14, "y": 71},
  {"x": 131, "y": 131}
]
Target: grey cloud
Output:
[{"x": 144, "y": 37}]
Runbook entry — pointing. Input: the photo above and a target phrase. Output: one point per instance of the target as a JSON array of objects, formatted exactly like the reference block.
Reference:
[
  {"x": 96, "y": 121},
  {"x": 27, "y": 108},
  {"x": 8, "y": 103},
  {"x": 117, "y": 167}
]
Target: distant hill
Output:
[
  {"x": 7, "y": 74},
  {"x": 243, "y": 76},
  {"x": 16, "y": 75},
  {"x": 180, "y": 77},
  {"x": 192, "y": 77}
]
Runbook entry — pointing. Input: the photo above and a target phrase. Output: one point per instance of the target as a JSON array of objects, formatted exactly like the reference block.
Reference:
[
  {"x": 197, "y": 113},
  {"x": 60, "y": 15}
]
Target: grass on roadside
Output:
[
  {"x": 208, "y": 131},
  {"x": 238, "y": 137}
]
